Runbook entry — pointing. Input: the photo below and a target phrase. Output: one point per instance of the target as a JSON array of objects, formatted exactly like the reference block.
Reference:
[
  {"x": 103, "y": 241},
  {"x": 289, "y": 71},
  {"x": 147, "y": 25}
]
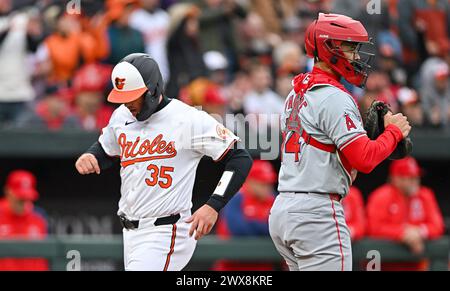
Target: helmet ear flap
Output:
[{"x": 151, "y": 102}]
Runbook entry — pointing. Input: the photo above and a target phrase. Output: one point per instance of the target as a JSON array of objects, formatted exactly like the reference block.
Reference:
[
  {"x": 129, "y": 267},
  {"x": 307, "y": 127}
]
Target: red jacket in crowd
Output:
[
  {"x": 30, "y": 225},
  {"x": 355, "y": 213},
  {"x": 389, "y": 211}
]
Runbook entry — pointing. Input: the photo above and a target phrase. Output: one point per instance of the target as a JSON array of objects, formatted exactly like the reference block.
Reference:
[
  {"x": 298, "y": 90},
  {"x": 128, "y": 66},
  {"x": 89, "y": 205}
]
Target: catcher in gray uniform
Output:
[{"x": 324, "y": 146}]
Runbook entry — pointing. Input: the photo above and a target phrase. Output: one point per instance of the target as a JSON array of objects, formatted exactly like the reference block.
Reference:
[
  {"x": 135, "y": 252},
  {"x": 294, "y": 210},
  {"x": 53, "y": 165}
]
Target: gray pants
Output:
[{"x": 310, "y": 232}]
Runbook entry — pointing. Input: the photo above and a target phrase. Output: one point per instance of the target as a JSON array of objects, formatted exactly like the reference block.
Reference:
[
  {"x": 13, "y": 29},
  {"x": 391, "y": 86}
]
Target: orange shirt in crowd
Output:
[
  {"x": 355, "y": 213},
  {"x": 67, "y": 52},
  {"x": 30, "y": 225},
  {"x": 64, "y": 53}
]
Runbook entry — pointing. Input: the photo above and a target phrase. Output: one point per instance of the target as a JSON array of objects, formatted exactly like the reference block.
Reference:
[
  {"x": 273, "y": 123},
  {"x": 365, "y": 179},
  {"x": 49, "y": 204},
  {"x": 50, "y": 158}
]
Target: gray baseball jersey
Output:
[
  {"x": 309, "y": 229},
  {"x": 331, "y": 116}
]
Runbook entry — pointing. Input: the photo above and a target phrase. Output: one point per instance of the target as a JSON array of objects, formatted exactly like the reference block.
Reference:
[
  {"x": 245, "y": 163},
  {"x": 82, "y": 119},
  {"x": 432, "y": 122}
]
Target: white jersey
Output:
[
  {"x": 155, "y": 29},
  {"x": 159, "y": 157},
  {"x": 331, "y": 116}
]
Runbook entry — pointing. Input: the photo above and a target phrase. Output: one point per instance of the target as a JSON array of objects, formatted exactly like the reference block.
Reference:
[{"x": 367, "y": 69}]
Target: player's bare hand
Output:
[
  {"x": 398, "y": 120},
  {"x": 413, "y": 239},
  {"x": 202, "y": 221},
  {"x": 87, "y": 164},
  {"x": 354, "y": 174}
]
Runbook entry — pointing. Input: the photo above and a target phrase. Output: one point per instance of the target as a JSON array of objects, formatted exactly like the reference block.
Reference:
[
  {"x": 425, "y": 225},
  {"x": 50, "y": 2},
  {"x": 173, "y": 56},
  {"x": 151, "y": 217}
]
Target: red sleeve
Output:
[
  {"x": 378, "y": 222},
  {"x": 357, "y": 223},
  {"x": 365, "y": 154},
  {"x": 434, "y": 224}
]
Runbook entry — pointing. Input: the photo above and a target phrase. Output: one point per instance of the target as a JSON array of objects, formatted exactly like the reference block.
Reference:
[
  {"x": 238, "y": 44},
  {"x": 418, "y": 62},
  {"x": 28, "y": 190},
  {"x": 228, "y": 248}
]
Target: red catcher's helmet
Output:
[{"x": 323, "y": 41}]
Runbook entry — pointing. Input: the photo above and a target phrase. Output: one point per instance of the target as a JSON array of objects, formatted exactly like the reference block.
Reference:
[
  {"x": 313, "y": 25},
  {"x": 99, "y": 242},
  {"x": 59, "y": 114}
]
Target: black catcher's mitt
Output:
[{"x": 375, "y": 126}]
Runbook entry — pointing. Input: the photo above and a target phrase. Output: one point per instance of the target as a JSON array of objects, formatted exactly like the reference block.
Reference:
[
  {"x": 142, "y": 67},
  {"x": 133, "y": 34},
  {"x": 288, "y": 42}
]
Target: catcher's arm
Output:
[
  {"x": 380, "y": 116},
  {"x": 365, "y": 154},
  {"x": 400, "y": 121}
]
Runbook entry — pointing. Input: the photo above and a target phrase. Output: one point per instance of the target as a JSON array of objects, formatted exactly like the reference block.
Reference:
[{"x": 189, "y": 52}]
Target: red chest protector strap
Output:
[
  {"x": 304, "y": 82},
  {"x": 331, "y": 148}
]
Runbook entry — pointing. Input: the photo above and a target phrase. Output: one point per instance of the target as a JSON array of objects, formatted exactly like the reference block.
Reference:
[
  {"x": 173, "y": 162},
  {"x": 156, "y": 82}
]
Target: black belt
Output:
[{"x": 133, "y": 224}]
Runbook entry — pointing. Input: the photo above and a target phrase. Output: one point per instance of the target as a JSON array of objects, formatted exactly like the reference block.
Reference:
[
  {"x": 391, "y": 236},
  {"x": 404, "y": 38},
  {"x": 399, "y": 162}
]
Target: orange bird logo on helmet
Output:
[{"x": 120, "y": 83}]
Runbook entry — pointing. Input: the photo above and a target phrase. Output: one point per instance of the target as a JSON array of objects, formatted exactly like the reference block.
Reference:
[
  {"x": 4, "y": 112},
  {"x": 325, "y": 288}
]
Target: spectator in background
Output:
[
  {"x": 389, "y": 61},
  {"x": 184, "y": 49},
  {"x": 247, "y": 214},
  {"x": 258, "y": 41},
  {"x": 424, "y": 28},
  {"x": 377, "y": 24},
  {"x": 282, "y": 15},
  {"x": 289, "y": 59},
  {"x": 404, "y": 211},
  {"x": 74, "y": 40},
  {"x": 90, "y": 111},
  {"x": 59, "y": 55},
  {"x": 262, "y": 100},
  {"x": 205, "y": 94},
  {"x": 309, "y": 9},
  {"x": 267, "y": 10},
  {"x": 348, "y": 7},
  {"x": 378, "y": 87},
  {"x": 50, "y": 113},
  {"x": 410, "y": 105},
  {"x": 435, "y": 91},
  {"x": 19, "y": 35},
  {"x": 165, "y": 4},
  {"x": 283, "y": 86},
  {"x": 217, "y": 66},
  {"x": 153, "y": 22},
  {"x": 93, "y": 40},
  {"x": 217, "y": 28},
  {"x": 237, "y": 90},
  {"x": 355, "y": 215},
  {"x": 20, "y": 220},
  {"x": 123, "y": 39}
]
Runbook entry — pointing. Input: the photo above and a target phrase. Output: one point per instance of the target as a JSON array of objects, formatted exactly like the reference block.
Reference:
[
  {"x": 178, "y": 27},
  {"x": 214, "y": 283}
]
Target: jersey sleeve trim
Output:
[
  {"x": 106, "y": 149},
  {"x": 226, "y": 150},
  {"x": 350, "y": 140}
]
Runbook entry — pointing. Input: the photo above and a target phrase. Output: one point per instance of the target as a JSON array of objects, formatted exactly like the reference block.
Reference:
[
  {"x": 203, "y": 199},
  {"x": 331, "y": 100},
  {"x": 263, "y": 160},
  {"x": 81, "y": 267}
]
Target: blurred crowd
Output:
[{"x": 228, "y": 56}]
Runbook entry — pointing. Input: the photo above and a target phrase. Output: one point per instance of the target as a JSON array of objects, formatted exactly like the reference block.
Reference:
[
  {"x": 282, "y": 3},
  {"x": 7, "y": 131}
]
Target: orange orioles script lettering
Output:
[{"x": 137, "y": 151}]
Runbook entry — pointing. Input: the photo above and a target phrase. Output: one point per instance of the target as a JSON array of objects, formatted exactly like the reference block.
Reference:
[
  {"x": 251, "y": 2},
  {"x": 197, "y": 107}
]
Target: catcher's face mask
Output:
[{"x": 355, "y": 59}]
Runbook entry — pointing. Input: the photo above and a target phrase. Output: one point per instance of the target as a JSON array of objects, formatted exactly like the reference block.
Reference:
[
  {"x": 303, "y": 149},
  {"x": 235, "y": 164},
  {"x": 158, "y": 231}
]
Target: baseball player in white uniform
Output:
[
  {"x": 324, "y": 147},
  {"x": 159, "y": 143}
]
